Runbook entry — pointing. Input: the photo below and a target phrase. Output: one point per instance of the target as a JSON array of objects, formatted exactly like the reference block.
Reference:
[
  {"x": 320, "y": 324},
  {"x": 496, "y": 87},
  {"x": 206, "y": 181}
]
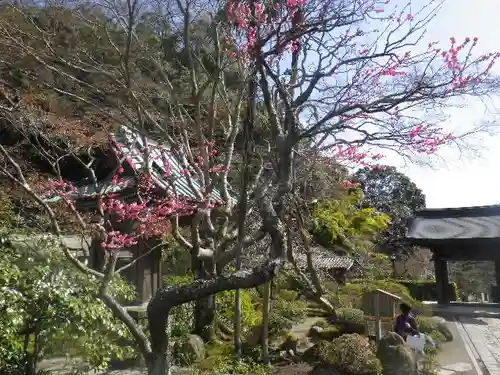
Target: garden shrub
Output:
[
  {"x": 293, "y": 310},
  {"x": 220, "y": 359},
  {"x": 230, "y": 365},
  {"x": 286, "y": 279},
  {"x": 251, "y": 314},
  {"x": 351, "y": 315},
  {"x": 351, "y": 321},
  {"x": 288, "y": 295},
  {"x": 44, "y": 301},
  {"x": 437, "y": 330},
  {"x": 283, "y": 315},
  {"x": 348, "y": 354},
  {"x": 278, "y": 325},
  {"x": 349, "y": 295},
  {"x": 181, "y": 317}
]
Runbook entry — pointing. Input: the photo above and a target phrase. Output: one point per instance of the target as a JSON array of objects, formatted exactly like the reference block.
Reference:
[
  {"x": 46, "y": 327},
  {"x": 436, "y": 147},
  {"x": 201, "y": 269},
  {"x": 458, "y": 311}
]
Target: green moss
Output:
[
  {"x": 321, "y": 323},
  {"x": 288, "y": 295},
  {"x": 250, "y": 311},
  {"x": 220, "y": 359}
]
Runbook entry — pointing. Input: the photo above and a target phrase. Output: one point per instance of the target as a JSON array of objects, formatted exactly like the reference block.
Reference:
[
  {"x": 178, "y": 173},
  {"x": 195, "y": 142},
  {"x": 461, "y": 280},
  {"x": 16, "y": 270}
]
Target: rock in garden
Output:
[
  {"x": 438, "y": 319},
  {"x": 188, "y": 350},
  {"x": 395, "y": 356},
  {"x": 327, "y": 334},
  {"x": 291, "y": 342}
]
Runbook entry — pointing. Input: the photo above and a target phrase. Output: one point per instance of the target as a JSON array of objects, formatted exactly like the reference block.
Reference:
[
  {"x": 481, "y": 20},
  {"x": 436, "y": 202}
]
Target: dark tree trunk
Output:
[
  {"x": 204, "y": 308},
  {"x": 160, "y": 305},
  {"x": 204, "y": 318}
]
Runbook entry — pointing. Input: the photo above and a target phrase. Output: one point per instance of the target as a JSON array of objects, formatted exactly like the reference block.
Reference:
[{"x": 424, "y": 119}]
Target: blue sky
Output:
[{"x": 463, "y": 181}]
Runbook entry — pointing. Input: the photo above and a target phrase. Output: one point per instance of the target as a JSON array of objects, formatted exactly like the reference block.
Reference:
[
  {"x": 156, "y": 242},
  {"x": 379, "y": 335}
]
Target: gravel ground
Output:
[{"x": 60, "y": 366}]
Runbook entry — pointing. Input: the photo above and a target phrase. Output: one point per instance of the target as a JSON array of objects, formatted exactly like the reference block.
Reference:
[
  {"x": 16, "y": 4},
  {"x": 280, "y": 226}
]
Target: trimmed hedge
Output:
[
  {"x": 419, "y": 290},
  {"x": 350, "y": 295},
  {"x": 426, "y": 290}
]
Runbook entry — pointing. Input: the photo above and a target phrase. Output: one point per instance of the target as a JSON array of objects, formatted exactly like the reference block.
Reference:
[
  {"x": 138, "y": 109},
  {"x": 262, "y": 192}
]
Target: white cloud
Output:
[{"x": 473, "y": 181}]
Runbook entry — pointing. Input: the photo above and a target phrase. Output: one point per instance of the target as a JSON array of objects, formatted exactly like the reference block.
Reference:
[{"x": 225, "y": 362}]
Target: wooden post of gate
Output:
[
  {"x": 378, "y": 323},
  {"x": 380, "y": 305}
]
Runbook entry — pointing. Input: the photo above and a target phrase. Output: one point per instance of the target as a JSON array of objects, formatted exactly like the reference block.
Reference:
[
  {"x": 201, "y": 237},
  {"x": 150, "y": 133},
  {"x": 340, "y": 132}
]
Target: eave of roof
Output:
[
  {"x": 455, "y": 224},
  {"x": 472, "y": 211},
  {"x": 131, "y": 143},
  {"x": 328, "y": 262}
]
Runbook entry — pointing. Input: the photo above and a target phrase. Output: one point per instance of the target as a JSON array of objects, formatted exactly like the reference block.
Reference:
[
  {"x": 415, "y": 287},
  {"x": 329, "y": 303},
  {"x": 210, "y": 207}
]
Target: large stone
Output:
[
  {"x": 188, "y": 350},
  {"x": 327, "y": 334},
  {"x": 395, "y": 356},
  {"x": 445, "y": 331},
  {"x": 438, "y": 319},
  {"x": 291, "y": 342}
]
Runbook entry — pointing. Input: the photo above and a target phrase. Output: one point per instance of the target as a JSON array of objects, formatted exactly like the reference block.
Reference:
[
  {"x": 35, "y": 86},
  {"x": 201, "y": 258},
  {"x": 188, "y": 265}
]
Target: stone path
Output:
[
  {"x": 459, "y": 368},
  {"x": 484, "y": 334},
  {"x": 454, "y": 359}
]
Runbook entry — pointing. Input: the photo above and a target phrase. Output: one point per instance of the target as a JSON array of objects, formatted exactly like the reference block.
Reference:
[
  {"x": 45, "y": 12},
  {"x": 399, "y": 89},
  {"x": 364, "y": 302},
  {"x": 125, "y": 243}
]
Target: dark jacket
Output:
[{"x": 402, "y": 329}]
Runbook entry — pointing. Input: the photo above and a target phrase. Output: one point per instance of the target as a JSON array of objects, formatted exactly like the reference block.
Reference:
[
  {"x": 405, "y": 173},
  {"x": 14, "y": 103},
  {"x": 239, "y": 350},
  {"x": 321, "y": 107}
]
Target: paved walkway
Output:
[
  {"x": 454, "y": 359},
  {"x": 484, "y": 336}
]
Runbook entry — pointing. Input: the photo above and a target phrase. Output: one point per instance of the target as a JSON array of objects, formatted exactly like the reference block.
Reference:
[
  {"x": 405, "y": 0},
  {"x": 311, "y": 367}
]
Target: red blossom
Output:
[
  {"x": 154, "y": 208},
  {"x": 350, "y": 184}
]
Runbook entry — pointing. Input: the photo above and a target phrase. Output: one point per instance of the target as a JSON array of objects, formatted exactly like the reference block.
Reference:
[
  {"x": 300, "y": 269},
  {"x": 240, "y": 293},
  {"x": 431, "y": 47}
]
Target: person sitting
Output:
[{"x": 405, "y": 322}]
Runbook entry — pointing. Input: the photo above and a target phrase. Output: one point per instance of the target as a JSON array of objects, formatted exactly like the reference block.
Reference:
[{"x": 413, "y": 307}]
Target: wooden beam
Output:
[{"x": 442, "y": 280}]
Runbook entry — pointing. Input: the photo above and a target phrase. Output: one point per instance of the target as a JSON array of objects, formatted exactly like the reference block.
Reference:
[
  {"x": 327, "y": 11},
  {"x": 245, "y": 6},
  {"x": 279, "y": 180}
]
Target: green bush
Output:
[
  {"x": 351, "y": 321},
  {"x": 181, "y": 317},
  {"x": 55, "y": 310},
  {"x": 230, "y": 365},
  {"x": 251, "y": 314},
  {"x": 347, "y": 354},
  {"x": 437, "y": 330},
  {"x": 287, "y": 279},
  {"x": 293, "y": 310},
  {"x": 351, "y": 315},
  {"x": 283, "y": 315},
  {"x": 220, "y": 359},
  {"x": 278, "y": 325},
  {"x": 288, "y": 295}
]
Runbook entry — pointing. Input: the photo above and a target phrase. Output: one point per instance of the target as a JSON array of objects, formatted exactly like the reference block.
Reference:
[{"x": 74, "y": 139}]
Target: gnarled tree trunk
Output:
[
  {"x": 204, "y": 308},
  {"x": 204, "y": 318},
  {"x": 165, "y": 299},
  {"x": 265, "y": 322}
]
